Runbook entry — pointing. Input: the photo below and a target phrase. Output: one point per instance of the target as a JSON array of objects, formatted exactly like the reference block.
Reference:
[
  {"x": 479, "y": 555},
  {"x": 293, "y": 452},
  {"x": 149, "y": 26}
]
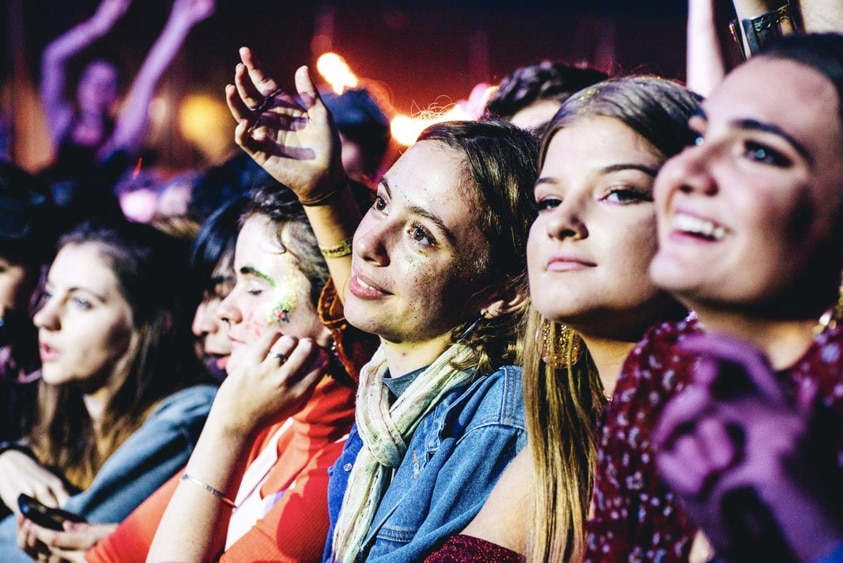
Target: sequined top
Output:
[
  {"x": 635, "y": 517},
  {"x": 468, "y": 549}
]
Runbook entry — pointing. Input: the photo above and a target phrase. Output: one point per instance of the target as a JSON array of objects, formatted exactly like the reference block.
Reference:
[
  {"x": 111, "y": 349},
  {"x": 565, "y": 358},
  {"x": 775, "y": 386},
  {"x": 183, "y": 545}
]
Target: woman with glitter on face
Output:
[{"x": 439, "y": 409}]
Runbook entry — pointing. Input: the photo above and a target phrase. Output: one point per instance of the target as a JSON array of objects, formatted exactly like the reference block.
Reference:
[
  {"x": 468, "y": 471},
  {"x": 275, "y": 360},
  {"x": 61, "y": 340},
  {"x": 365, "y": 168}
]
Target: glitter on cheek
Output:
[
  {"x": 279, "y": 314},
  {"x": 288, "y": 292}
]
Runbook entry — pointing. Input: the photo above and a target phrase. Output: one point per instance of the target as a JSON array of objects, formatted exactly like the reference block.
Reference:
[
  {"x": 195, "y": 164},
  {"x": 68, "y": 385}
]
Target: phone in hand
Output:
[{"x": 44, "y": 516}]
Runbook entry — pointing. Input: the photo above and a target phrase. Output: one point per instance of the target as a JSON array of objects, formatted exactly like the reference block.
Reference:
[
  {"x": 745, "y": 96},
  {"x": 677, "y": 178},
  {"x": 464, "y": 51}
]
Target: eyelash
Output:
[
  {"x": 416, "y": 229},
  {"x": 426, "y": 238},
  {"x": 547, "y": 203},
  {"x": 759, "y": 152},
  {"x": 82, "y": 303},
  {"x": 632, "y": 195}
]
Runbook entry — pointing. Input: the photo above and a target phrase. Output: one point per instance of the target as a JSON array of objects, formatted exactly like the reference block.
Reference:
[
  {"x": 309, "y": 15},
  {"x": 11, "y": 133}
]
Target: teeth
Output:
[
  {"x": 364, "y": 284},
  {"x": 695, "y": 225}
]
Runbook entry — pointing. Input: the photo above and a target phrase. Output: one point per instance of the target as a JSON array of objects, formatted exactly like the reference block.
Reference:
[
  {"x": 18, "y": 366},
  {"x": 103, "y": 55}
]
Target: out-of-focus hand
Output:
[
  {"x": 292, "y": 137},
  {"x": 19, "y": 473},
  {"x": 53, "y": 546},
  {"x": 751, "y": 465}
]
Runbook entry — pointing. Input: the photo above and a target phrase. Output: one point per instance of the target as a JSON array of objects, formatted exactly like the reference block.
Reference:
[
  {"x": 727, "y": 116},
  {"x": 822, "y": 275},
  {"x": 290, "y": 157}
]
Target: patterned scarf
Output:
[{"x": 385, "y": 432}]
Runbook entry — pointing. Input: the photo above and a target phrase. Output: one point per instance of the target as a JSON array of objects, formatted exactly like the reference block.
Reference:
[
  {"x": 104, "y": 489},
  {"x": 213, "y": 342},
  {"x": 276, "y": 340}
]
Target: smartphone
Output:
[{"x": 51, "y": 518}]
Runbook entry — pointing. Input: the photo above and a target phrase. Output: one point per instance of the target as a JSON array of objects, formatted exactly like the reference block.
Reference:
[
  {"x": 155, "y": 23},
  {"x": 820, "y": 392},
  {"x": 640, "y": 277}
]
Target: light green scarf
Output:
[{"x": 385, "y": 432}]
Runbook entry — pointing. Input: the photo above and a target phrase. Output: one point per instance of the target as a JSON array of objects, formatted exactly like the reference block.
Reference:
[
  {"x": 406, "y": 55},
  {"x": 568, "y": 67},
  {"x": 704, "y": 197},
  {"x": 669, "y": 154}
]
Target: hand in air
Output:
[{"x": 292, "y": 137}]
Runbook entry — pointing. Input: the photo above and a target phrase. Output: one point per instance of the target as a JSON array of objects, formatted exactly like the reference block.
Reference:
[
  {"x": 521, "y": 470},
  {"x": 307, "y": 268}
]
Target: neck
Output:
[
  {"x": 404, "y": 357},
  {"x": 95, "y": 404},
  {"x": 784, "y": 341},
  {"x": 608, "y": 356}
]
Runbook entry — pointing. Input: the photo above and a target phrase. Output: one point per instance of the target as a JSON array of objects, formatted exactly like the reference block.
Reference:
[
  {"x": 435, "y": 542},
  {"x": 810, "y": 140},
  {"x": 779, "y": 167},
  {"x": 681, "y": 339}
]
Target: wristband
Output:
[
  {"x": 224, "y": 499},
  {"x": 340, "y": 250}
]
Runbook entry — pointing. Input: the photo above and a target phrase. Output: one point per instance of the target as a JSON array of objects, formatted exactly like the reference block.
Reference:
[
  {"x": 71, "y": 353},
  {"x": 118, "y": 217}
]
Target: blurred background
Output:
[{"x": 416, "y": 55}]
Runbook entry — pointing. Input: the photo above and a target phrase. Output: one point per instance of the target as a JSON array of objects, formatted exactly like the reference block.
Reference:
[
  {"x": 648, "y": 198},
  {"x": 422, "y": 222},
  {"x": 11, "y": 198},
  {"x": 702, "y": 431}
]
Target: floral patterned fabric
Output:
[{"x": 635, "y": 517}]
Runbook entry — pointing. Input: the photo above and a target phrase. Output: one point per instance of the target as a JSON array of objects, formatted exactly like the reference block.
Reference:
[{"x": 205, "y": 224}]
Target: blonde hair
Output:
[{"x": 563, "y": 406}]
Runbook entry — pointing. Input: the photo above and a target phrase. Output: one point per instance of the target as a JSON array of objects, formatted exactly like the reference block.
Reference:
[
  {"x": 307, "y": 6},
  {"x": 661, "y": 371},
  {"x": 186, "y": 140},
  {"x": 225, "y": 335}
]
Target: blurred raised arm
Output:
[
  {"x": 131, "y": 123},
  {"x": 58, "y": 109}
]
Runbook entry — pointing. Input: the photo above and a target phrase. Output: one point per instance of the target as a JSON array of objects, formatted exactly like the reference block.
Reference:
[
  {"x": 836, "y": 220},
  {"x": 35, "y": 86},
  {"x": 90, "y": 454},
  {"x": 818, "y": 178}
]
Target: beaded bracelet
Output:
[
  {"x": 225, "y": 500},
  {"x": 340, "y": 250}
]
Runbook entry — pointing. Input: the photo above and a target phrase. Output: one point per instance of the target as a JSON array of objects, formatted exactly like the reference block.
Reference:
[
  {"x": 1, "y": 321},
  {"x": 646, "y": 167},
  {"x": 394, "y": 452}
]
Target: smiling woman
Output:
[
  {"x": 121, "y": 403},
  {"x": 749, "y": 223}
]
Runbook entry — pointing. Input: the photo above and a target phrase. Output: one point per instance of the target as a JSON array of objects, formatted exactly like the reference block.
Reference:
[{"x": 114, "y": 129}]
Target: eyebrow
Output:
[
  {"x": 424, "y": 213},
  {"x": 749, "y": 124},
  {"x": 250, "y": 271},
  {"x": 650, "y": 171}
]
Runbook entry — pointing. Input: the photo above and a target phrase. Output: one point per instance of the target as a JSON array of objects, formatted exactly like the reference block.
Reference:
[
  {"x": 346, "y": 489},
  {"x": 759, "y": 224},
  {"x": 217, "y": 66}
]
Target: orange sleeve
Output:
[
  {"x": 130, "y": 542},
  {"x": 296, "y": 527}
]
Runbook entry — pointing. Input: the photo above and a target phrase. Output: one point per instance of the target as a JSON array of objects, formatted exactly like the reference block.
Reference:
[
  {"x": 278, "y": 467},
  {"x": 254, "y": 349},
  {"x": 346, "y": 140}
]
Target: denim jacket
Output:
[
  {"x": 453, "y": 460},
  {"x": 148, "y": 458}
]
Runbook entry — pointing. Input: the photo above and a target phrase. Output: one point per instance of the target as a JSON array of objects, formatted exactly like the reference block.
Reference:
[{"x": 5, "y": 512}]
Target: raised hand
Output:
[
  {"x": 193, "y": 11},
  {"x": 292, "y": 137},
  {"x": 753, "y": 467},
  {"x": 107, "y": 14}
]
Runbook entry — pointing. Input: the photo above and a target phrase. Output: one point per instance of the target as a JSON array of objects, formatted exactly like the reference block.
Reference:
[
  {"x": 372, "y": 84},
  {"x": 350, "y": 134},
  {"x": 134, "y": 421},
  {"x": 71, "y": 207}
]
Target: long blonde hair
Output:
[{"x": 563, "y": 404}]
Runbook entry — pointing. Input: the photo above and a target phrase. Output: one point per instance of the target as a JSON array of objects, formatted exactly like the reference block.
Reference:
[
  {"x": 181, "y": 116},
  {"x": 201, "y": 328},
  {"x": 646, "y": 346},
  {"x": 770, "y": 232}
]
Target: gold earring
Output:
[{"x": 559, "y": 345}]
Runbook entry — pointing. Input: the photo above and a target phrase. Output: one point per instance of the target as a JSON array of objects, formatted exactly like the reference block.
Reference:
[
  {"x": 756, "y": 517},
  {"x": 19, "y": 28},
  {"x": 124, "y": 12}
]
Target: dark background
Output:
[{"x": 421, "y": 52}]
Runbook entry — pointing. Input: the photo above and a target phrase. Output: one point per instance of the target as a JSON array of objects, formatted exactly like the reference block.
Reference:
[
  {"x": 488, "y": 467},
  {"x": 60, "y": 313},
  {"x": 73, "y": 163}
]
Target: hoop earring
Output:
[{"x": 559, "y": 345}]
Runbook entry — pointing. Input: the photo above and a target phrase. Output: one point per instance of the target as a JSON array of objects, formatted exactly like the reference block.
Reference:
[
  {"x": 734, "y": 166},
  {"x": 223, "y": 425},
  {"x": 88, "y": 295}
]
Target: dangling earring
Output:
[
  {"x": 832, "y": 316},
  {"x": 559, "y": 345}
]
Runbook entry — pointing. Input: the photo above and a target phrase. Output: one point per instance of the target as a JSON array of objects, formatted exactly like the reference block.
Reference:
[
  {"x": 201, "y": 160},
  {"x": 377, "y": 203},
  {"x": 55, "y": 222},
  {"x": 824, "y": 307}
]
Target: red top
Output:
[
  {"x": 468, "y": 549},
  {"x": 296, "y": 527},
  {"x": 635, "y": 517}
]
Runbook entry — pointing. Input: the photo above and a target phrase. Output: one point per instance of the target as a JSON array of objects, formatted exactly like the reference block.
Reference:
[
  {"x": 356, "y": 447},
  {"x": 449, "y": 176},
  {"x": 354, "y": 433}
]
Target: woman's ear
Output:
[{"x": 505, "y": 302}]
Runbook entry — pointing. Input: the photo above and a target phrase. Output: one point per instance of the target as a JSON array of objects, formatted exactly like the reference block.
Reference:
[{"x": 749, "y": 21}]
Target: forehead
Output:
[
  {"x": 258, "y": 247},
  {"x": 101, "y": 70},
  {"x": 84, "y": 266},
  {"x": 794, "y": 97},
  {"x": 430, "y": 178},
  {"x": 597, "y": 142}
]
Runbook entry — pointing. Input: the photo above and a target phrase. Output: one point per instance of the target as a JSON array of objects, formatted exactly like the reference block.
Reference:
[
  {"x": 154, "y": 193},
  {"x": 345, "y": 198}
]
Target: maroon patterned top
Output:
[
  {"x": 468, "y": 549},
  {"x": 635, "y": 517}
]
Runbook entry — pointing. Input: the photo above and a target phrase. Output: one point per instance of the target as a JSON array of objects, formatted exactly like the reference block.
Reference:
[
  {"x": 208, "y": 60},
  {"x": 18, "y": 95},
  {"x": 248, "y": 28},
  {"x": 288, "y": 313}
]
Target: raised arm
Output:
[
  {"x": 133, "y": 118},
  {"x": 295, "y": 140},
  {"x": 821, "y": 15},
  {"x": 705, "y": 67},
  {"x": 58, "y": 109}
]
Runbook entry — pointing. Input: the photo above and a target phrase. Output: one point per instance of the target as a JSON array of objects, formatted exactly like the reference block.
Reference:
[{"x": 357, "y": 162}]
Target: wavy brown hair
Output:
[
  {"x": 499, "y": 170},
  {"x": 152, "y": 276}
]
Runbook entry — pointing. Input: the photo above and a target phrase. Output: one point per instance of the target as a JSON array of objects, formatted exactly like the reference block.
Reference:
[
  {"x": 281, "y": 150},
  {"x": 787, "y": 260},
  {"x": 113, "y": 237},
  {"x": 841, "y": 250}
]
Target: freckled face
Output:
[
  {"x": 418, "y": 252},
  {"x": 270, "y": 293}
]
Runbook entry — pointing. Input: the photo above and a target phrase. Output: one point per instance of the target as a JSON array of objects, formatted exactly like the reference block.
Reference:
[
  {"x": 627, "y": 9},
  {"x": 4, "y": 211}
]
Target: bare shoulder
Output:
[{"x": 505, "y": 515}]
